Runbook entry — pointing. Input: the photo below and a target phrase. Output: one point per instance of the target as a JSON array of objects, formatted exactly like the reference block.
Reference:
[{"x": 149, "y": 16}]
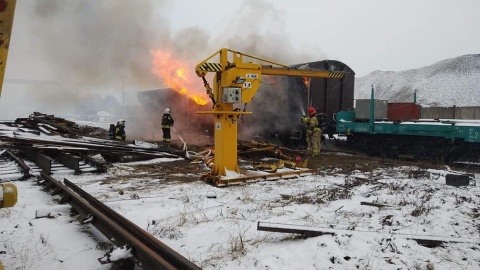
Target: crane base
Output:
[{"x": 255, "y": 176}]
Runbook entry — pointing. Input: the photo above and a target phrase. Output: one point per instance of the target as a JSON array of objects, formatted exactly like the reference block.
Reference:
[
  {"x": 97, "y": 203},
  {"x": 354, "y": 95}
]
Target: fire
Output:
[
  {"x": 305, "y": 81},
  {"x": 176, "y": 75}
]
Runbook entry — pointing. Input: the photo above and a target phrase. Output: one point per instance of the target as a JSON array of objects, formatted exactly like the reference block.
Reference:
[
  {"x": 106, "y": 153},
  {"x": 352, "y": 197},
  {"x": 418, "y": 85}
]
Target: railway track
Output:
[
  {"x": 13, "y": 167},
  {"x": 147, "y": 252},
  {"x": 16, "y": 164}
]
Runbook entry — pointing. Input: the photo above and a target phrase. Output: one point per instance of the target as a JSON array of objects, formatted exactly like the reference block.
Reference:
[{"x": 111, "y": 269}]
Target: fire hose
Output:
[
  {"x": 204, "y": 155},
  {"x": 181, "y": 139}
]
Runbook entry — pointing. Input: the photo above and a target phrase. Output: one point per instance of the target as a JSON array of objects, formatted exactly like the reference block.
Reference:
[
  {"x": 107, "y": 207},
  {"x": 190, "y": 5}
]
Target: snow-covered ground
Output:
[{"x": 221, "y": 232}]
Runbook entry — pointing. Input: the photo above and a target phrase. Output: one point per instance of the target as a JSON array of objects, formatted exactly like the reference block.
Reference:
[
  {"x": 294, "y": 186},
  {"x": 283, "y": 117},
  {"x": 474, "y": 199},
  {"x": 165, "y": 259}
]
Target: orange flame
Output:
[
  {"x": 305, "y": 81},
  {"x": 176, "y": 75}
]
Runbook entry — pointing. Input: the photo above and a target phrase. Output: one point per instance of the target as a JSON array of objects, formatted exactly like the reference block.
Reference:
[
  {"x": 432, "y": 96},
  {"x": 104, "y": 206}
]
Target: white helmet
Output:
[
  {"x": 121, "y": 121},
  {"x": 167, "y": 110}
]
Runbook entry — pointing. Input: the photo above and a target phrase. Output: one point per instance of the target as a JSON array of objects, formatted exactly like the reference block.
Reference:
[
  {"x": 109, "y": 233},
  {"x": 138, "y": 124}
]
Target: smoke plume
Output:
[{"x": 95, "y": 48}]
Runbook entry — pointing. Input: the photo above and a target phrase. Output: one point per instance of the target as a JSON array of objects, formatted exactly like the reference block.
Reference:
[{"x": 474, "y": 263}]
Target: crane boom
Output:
[
  {"x": 300, "y": 72},
  {"x": 236, "y": 81}
]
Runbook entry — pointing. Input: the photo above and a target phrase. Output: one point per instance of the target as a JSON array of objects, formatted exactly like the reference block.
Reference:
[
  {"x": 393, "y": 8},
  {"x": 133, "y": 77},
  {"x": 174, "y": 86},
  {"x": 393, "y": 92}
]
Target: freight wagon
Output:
[
  {"x": 444, "y": 139},
  {"x": 327, "y": 95}
]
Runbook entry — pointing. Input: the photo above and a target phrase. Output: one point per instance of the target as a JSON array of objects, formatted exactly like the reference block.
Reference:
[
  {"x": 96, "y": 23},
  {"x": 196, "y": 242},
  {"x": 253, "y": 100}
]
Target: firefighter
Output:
[
  {"x": 314, "y": 132},
  {"x": 167, "y": 123},
  {"x": 120, "y": 130},
  {"x": 323, "y": 124}
]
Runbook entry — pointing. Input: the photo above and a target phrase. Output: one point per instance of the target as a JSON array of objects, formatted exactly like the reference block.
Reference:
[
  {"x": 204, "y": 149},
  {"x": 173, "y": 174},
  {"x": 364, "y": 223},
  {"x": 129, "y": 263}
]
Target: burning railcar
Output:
[
  {"x": 277, "y": 106},
  {"x": 281, "y": 102}
]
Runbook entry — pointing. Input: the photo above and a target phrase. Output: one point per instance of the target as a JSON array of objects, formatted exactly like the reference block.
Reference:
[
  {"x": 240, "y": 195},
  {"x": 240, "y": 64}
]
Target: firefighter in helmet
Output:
[
  {"x": 314, "y": 132},
  {"x": 167, "y": 123},
  {"x": 119, "y": 134}
]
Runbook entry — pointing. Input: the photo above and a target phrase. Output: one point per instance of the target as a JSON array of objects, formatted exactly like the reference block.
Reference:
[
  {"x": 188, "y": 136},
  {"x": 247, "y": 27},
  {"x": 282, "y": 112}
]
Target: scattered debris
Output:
[
  {"x": 211, "y": 195},
  {"x": 379, "y": 205},
  {"x": 451, "y": 177},
  {"x": 253, "y": 148},
  {"x": 48, "y": 140},
  {"x": 457, "y": 180},
  {"x": 424, "y": 240},
  {"x": 417, "y": 174}
]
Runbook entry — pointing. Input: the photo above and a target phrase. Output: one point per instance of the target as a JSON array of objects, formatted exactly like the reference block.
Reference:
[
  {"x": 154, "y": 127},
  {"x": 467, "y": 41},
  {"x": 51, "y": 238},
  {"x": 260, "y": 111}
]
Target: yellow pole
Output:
[
  {"x": 225, "y": 127},
  {"x": 7, "y": 12}
]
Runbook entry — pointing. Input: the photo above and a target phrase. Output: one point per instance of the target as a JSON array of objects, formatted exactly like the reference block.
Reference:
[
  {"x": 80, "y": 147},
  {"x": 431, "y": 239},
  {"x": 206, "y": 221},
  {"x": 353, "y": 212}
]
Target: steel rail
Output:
[
  {"x": 167, "y": 253},
  {"x": 149, "y": 252}
]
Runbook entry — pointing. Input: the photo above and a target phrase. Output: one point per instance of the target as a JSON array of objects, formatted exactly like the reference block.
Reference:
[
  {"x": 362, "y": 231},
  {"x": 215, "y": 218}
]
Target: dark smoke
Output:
[
  {"x": 95, "y": 42},
  {"x": 97, "y": 49}
]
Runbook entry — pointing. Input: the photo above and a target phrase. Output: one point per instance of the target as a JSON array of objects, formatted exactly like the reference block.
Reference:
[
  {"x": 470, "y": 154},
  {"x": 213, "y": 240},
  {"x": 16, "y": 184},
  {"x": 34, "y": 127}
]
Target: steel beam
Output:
[{"x": 70, "y": 161}]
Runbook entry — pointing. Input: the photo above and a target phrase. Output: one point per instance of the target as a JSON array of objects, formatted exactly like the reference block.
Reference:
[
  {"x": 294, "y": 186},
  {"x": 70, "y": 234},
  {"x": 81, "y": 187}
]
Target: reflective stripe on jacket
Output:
[
  {"x": 312, "y": 124},
  {"x": 167, "y": 121},
  {"x": 120, "y": 133}
]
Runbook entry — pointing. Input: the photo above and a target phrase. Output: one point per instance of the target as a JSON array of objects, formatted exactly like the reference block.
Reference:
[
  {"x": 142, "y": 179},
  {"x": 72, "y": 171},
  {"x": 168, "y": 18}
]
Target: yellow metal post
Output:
[
  {"x": 226, "y": 119},
  {"x": 7, "y": 12},
  {"x": 225, "y": 128}
]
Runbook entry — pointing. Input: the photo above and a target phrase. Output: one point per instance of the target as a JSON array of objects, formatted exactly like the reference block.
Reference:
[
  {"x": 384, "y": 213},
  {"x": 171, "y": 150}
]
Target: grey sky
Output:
[
  {"x": 367, "y": 35},
  {"x": 105, "y": 46}
]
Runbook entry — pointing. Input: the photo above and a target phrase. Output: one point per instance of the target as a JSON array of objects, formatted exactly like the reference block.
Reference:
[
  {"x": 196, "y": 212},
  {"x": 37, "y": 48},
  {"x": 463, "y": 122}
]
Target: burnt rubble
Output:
[{"x": 46, "y": 139}]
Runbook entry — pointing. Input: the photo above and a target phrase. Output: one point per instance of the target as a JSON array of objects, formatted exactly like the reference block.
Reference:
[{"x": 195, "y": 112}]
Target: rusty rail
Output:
[{"x": 148, "y": 251}]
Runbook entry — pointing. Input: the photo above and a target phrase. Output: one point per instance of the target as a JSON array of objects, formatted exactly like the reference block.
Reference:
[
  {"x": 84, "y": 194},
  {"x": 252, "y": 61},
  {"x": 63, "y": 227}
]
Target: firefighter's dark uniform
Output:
[
  {"x": 120, "y": 131},
  {"x": 167, "y": 123}
]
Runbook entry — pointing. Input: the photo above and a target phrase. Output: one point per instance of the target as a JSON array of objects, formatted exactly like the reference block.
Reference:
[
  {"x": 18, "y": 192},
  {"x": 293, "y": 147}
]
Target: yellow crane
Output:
[
  {"x": 8, "y": 191},
  {"x": 237, "y": 81}
]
